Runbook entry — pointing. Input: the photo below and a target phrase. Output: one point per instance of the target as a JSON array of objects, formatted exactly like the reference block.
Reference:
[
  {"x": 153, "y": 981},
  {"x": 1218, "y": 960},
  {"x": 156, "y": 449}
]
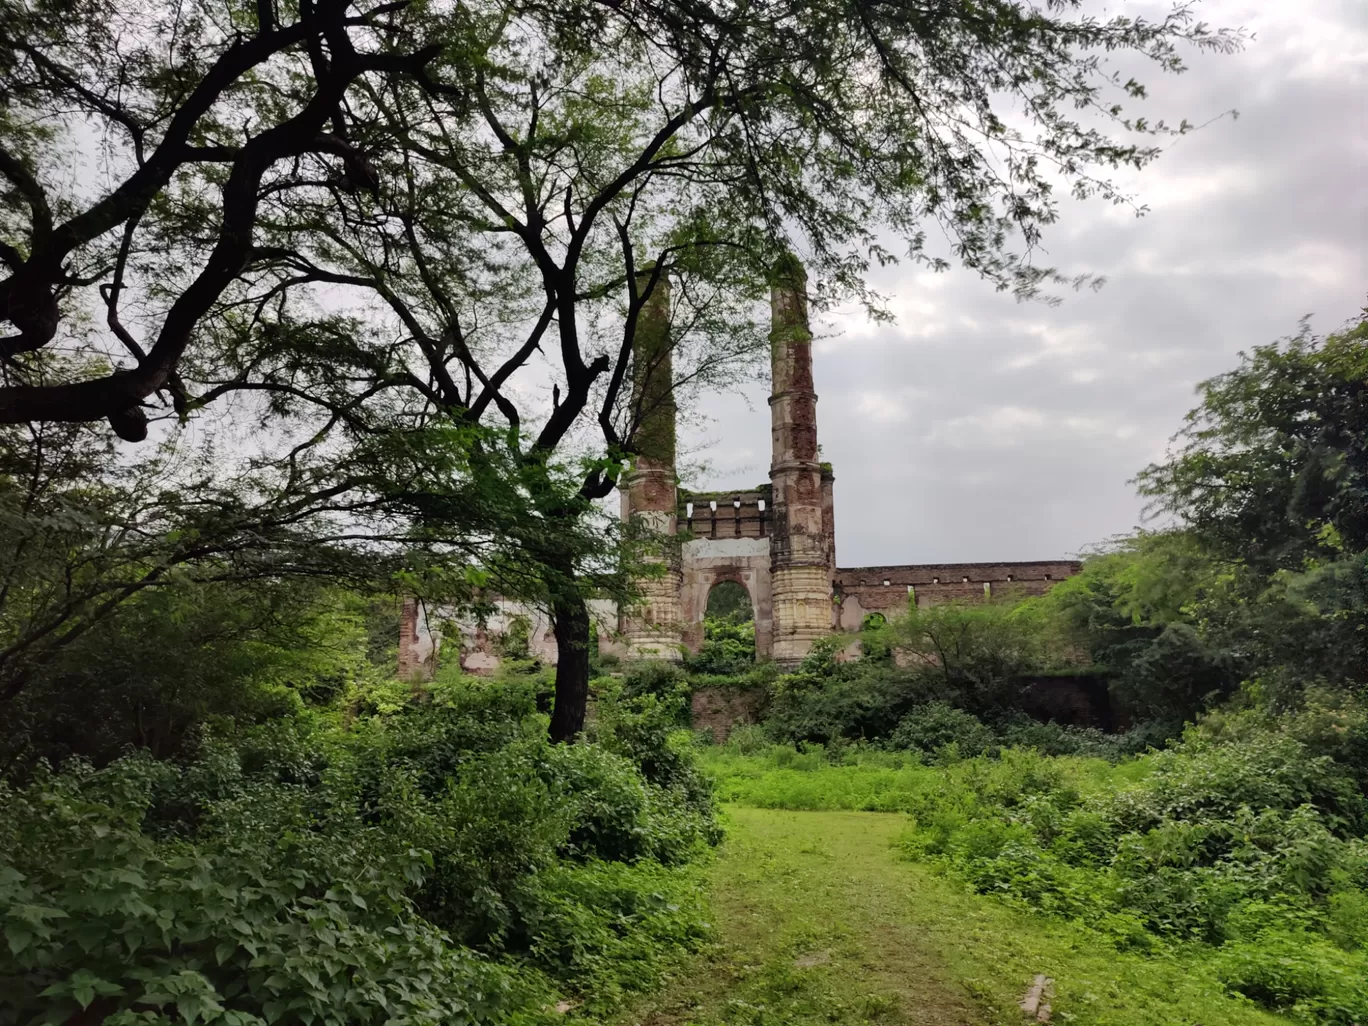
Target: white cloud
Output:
[
  {"x": 975, "y": 427},
  {"x": 888, "y": 407}
]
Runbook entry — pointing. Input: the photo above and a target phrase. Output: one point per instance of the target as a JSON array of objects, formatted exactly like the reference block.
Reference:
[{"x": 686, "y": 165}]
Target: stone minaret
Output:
[
  {"x": 654, "y": 628},
  {"x": 800, "y": 561}
]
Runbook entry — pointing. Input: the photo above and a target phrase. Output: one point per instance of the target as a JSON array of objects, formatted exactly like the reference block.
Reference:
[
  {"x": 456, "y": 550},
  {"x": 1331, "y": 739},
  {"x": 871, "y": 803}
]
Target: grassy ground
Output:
[
  {"x": 817, "y": 922},
  {"x": 868, "y": 780}
]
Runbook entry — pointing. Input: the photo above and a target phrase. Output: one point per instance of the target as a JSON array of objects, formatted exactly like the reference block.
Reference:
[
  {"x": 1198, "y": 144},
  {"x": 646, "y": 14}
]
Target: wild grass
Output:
[
  {"x": 1238, "y": 856},
  {"x": 819, "y": 924},
  {"x": 861, "y": 779}
]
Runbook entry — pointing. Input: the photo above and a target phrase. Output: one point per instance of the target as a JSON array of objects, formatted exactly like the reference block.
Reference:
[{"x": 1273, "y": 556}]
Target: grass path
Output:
[{"x": 817, "y": 922}]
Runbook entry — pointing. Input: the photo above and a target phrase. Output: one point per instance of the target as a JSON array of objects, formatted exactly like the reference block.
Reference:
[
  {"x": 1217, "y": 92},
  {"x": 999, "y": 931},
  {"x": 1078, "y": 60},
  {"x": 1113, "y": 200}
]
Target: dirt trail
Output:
[{"x": 818, "y": 923}]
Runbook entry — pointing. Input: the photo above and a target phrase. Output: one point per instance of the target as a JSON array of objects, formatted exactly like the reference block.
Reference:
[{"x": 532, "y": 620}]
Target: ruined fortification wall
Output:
[
  {"x": 718, "y": 710},
  {"x": 744, "y": 514},
  {"x": 429, "y": 637},
  {"x": 728, "y": 540},
  {"x": 888, "y": 590}
]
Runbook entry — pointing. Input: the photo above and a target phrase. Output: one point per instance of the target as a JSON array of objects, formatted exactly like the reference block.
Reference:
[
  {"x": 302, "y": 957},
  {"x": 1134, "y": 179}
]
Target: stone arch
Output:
[
  {"x": 873, "y": 621},
  {"x": 727, "y": 633},
  {"x": 715, "y": 556},
  {"x": 729, "y": 596}
]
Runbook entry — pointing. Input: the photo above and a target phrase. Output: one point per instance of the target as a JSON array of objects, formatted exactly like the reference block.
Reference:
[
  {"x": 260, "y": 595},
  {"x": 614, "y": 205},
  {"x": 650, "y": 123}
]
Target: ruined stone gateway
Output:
[{"x": 777, "y": 540}]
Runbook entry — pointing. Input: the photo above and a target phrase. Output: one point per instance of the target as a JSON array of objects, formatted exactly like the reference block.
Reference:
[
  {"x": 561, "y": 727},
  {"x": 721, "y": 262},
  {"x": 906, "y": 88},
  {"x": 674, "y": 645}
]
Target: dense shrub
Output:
[
  {"x": 224, "y": 654},
  {"x": 933, "y": 727},
  {"x": 665, "y": 680},
  {"x": 728, "y": 646},
  {"x": 824, "y": 701},
  {"x": 1243, "y": 837},
  {"x": 259, "y": 925},
  {"x": 441, "y": 863},
  {"x": 615, "y": 925},
  {"x": 748, "y": 738},
  {"x": 643, "y": 731},
  {"x": 914, "y": 704}
]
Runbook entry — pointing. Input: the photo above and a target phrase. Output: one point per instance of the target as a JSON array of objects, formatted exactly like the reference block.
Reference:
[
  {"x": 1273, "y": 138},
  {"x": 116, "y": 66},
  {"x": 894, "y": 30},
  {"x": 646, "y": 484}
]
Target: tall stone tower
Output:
[
  {"x": 800, "y": 563},
  {"x": 654, "y": 627}
]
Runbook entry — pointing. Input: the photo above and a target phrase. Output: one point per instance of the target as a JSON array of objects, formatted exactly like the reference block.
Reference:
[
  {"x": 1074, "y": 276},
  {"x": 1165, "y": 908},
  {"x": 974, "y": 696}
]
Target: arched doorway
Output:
[
  {"x": 730, "y": 601},
  {"x": 728, "y": 631}
]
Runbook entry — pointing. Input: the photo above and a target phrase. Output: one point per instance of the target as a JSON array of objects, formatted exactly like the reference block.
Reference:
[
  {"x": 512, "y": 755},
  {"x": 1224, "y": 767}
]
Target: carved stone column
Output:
[
  {"x": 800, "y": 557},
  {"x": 653, "y": 627}
]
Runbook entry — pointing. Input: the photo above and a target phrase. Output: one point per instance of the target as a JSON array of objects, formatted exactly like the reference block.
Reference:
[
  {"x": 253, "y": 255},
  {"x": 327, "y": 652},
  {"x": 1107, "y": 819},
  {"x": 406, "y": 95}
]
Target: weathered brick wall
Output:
[
  {"x": 721, "y": 709},
  {"x": 887, "y": 590},
  {"x": 740, "y": 514}
]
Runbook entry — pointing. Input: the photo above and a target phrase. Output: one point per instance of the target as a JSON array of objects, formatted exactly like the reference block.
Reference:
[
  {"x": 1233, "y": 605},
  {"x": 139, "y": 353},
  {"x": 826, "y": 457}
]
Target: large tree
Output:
[
  {"x": 1269, "y": 477},
  {"x": 535, "y": 172},
  {"x": 253, "y": 93}
]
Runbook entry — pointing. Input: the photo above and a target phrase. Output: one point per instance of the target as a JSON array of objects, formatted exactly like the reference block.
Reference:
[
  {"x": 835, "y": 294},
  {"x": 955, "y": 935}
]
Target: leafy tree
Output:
[
  {"x": 1270, "y": 478},
  {"x": 551, "y": 171},
  {"x": 1147, "y": 610},
  {"x": 140, "y": 592},
  {"x": 196, "y": 112},
  {"x": 975, "y": 653},
  {"x": 512, "y": 174},
  {"x": 1271, "y": 470},
  {"x": 231, "y": 654},
  {"x": 85, "y": 532}
]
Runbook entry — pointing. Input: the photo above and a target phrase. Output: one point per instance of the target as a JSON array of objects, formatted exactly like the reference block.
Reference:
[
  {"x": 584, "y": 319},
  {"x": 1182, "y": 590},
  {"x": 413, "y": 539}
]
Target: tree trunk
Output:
[{"x": 572, "y": 667}]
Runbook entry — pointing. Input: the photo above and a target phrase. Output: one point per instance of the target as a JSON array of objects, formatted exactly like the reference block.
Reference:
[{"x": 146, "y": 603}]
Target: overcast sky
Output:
[{"x": 978, "y": 428}]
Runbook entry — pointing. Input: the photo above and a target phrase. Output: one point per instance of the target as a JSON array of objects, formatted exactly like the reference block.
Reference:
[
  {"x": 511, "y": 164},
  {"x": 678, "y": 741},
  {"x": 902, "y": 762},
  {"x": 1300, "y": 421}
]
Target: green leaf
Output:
[{"x": 18, "y": 937}]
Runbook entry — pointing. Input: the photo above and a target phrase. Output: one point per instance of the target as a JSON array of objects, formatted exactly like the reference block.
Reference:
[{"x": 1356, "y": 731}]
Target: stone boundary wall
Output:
[
  {"x": 887, "y": 590},
  {"x": 719, "y": 709}
]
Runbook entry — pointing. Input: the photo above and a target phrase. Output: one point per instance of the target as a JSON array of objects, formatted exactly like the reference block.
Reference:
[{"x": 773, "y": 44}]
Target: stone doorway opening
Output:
[
  {"x": 730, "y": 601},
  {"x": 728, "y": 631}
]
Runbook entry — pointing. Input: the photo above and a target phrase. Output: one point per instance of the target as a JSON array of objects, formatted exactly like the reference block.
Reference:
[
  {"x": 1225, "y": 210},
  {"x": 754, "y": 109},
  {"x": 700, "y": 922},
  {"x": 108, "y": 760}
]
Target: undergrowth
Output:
[
  {"x": 1242, "y": 847},
  {"x": 436, "y": 862}
]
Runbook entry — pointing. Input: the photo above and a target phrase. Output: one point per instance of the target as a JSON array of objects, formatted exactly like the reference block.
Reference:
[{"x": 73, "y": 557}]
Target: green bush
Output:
[
  {"x": 855, "y": 700},
  {"x": 607, "y": 800},
  {"x": 665, "y": 680},
  {"x": 490, "y": 832},
  {"x": 728, "y": 647},
  {"x": 1241, "y": 839},
  {"x": 98, "y": 911},
  {"x": 1211, "y": 781},
  {"x": 614, "y": 927},
  {"x": 643, "y": 730},
  {"x": 224, "y": 655},
  {"x": 933, "y": 727},
  {"x": 1298, "y": 974},
  {"x": 440, "y": 863}
]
